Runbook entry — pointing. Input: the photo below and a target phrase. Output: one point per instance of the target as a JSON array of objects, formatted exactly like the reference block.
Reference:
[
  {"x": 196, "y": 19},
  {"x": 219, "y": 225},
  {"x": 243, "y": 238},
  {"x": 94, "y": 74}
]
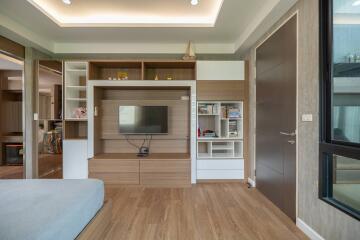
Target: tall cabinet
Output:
[
  {"x": 75, "y": 163},
  {"x": 221, "y": 118}
]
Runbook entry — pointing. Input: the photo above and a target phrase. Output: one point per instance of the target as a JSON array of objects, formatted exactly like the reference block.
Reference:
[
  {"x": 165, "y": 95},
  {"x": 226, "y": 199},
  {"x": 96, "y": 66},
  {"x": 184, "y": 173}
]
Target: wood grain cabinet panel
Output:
[
  {"x": 164, "y": 166},
  {"x": 156, "y": 170},
  {"x": 165, "y": 173},
  {"x": 116, "y": 177},
  {"x": 115, "y": 171},
  {"x": 220, "y": 90},
  {"x": 113, "y": 165}
]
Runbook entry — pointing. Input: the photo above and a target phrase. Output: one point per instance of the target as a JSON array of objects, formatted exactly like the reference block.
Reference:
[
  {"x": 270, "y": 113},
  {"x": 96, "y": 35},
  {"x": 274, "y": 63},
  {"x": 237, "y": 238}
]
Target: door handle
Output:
[
  {"x": 292, "y": 142},
  {"x": 293, "y": 134}
]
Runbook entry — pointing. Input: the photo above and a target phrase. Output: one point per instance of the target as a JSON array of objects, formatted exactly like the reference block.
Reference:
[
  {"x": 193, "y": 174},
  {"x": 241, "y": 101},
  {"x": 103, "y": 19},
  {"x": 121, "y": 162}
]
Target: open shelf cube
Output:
[
  {"x": 115, "y": 70},
  {"x": 75, "y": 88},
  {"x": 75, "y": 129},
  {"x": 169, "y": 70},
  {"x": 217, "y": 149},
  {"x": 225, "y": 119}
]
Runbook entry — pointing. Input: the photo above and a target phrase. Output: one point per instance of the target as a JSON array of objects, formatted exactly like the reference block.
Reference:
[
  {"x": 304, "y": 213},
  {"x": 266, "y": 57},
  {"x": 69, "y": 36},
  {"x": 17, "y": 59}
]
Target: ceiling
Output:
[
  {"x": 235, "y": 26},
  {"x": 130, "y": 13}
]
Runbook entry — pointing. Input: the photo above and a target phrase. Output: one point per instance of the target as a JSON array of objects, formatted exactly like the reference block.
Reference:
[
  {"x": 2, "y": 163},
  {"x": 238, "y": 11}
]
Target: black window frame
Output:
[{"x": 329, "y": 147}]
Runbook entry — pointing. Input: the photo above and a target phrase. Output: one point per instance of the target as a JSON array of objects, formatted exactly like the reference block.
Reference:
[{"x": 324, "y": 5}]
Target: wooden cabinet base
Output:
[
  {"x": 117, "y": 178},
  {"x": 156, "y": 170}
]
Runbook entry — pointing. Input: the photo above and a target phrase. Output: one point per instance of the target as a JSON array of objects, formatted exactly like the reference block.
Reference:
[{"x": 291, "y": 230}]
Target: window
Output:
[{"x": 339, "y": 176}]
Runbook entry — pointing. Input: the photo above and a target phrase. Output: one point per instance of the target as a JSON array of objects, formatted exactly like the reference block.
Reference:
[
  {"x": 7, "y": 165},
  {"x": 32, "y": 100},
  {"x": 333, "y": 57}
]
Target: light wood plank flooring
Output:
[
  {"x": 50, "y": 167},
  {"x": 205, "y": 211}
]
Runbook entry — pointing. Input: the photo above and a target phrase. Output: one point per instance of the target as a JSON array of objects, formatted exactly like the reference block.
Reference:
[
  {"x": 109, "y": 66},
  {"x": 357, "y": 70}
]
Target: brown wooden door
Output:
[{"x": 276, "y": 118}]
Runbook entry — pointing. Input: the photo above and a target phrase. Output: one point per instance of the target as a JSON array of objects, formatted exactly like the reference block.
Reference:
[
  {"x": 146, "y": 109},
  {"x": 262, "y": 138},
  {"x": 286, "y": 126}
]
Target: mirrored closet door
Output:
[
  {"x": 11, "y": 120},
  {"x": 50, "y": 114}
]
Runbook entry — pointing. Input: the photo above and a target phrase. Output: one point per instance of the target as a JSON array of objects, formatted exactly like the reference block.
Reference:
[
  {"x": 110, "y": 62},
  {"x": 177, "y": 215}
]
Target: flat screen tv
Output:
[{"x": 143, "y": 119}]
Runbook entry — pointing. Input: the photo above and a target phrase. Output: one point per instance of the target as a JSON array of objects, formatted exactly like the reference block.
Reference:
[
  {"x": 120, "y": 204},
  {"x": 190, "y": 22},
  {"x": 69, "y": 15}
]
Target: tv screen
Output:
[{"x": 143, "y": 119}]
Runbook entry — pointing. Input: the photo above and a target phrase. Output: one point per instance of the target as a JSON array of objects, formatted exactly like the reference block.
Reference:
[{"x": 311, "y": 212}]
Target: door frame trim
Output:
[{"x": 295, "y": 14}]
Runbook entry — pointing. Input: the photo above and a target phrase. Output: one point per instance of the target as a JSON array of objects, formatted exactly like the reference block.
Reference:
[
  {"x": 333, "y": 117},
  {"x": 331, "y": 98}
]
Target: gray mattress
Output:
[{"x": 47, "y": 209}]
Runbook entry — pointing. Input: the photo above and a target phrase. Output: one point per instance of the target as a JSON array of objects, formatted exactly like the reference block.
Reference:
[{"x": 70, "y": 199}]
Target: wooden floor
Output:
[
  {"x": 205, "y": 211},
  {"x": 50, "y": 167}
]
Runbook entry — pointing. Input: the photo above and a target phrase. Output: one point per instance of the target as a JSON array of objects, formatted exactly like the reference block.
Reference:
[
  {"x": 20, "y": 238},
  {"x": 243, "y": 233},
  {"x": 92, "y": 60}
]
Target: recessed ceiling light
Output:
[
  {"x": 67, "y": 2},
  {"x": 356, "y": 3},
  {"x": 194, "y": 2}
]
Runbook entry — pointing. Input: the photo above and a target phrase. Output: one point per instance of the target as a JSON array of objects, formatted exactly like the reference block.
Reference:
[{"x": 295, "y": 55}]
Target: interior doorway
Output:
[
  {"x": 276, "y": 114},
  {"x": 11, "y": 120}
]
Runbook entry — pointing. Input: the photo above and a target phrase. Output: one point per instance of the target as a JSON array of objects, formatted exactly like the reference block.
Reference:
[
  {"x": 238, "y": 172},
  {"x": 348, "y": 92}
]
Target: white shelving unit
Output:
[
  {"x": 75, "y": 87},
  {"x": 220, "y": 156},
  {"x": 75, "y": 162}
]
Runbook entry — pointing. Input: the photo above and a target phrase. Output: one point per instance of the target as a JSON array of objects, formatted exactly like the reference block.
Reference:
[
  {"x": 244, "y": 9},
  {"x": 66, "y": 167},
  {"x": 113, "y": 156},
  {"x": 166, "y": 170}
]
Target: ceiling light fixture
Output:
[
  {"x": 194, "y": 2},
  {"x": 356, "y": 3},
  {"x": 67, "y": 2}
]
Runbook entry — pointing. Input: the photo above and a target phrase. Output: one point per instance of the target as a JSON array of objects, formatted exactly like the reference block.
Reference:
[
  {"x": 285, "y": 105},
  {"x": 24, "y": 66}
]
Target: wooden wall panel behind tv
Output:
[
  {"x": 177, "y": 139},
  {"x": 220, "y": 90}
]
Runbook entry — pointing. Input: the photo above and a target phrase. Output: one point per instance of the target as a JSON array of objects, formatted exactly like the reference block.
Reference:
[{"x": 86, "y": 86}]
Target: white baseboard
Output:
[
  {"x": 311, "y": 233},
  {"x": 251, "y": 182}
]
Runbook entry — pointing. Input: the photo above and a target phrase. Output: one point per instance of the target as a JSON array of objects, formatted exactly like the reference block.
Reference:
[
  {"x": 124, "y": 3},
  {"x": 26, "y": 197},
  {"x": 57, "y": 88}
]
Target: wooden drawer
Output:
[
  {"x": 113, "y": 166},
  {"x": 162, "y": 166},
  {"x": 165, "y": 179},
  {"x": 117, "y": 178}
]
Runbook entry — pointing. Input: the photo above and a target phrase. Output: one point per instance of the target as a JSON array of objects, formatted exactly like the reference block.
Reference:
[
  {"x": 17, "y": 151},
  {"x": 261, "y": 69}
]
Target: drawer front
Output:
[
  {"x": 220, "y": 164},
  {"x": 155, "y": 166},
  {"x": 117, "y": 178},
  {"x": 220, "y": 174},
  {"x": 113, "y": 166},
  {"x": 165, "y": 179}
]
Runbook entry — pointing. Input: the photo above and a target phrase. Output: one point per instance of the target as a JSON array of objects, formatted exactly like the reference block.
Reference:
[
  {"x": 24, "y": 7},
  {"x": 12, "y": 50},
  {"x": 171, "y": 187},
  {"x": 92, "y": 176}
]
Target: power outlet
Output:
[{"x": 307, "y": 117}]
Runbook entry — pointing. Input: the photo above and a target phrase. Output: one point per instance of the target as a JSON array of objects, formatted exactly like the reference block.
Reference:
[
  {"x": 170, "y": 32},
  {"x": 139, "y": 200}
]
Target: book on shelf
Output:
[
  {"x": 207, "y": 109},
  {"x": 233, "y": 113},
  {"x": 223, "y": 112}
]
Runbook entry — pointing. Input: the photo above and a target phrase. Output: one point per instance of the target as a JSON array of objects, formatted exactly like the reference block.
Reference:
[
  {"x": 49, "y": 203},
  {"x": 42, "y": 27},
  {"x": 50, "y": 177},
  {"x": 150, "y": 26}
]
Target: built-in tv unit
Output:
[{"x": 143, "y": 120}]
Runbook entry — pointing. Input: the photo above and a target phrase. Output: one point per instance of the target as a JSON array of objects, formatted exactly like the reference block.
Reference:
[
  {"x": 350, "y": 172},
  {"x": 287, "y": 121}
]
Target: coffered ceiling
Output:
[
  {"x": 138, "y": 26},
  {"x": 130, "y": 13}
]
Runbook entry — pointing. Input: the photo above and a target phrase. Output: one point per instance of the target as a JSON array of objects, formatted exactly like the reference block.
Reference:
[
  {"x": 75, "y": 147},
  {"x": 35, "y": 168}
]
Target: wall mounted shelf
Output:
[{"x": 142, "y": 70}]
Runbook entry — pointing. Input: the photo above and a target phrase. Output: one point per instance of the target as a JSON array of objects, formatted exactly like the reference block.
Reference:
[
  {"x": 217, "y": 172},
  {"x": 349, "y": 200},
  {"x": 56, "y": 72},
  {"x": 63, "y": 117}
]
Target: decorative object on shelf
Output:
[
  {"x": 156, "y": 77},
  {"x": 224, "y": 112},
  {"x": 190, "y": 53},
  {"x": 122, "y": 76},
  {"x": 169, "y": 77},
  {"x": 207, "y": 109},
  {"x": 233, "y": 128},
  {"x": 80, "y": 113},
  {"x": 234, "y": 113},
  {"x": 209, "y": 133}
]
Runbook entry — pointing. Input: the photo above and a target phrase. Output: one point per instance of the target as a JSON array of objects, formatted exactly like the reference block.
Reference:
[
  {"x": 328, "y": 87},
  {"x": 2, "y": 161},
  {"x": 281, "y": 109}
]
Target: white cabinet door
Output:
[
  {"x": 75, "y": 162},
  {"x": 220, "y": 70}
]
